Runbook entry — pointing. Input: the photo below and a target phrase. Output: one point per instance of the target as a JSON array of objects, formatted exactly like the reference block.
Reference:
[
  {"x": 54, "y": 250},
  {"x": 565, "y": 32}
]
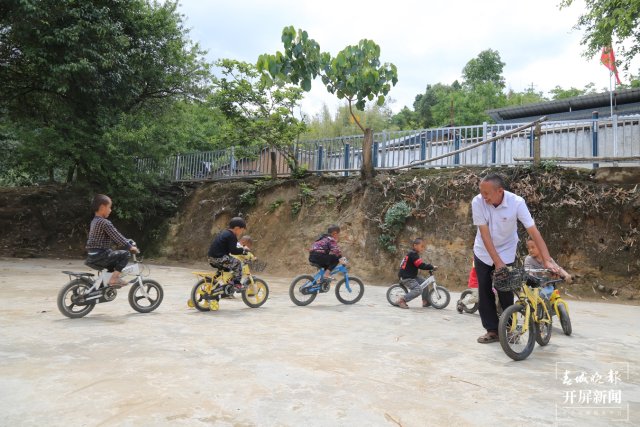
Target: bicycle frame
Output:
[
  {"x": 103, "y": 278},
  {"x": 530, "y": 298},
  {"x": 340, "y": 268},
  {"x": 556, "y": 300}
]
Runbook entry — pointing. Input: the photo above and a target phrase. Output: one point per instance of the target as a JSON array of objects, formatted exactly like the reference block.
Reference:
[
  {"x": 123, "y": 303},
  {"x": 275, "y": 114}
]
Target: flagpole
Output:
[{"x": 610, "y": 95}]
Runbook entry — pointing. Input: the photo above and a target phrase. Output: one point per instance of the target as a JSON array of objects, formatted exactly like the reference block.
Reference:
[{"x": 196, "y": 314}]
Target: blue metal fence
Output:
[{"x": 611, "y": 138}]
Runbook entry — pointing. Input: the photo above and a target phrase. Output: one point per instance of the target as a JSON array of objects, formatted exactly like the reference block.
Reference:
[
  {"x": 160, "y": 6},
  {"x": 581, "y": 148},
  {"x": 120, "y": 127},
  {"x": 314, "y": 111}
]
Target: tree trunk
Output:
[
  {"x": 366, "y": 170},
  {"x": 70, "y": 173}
]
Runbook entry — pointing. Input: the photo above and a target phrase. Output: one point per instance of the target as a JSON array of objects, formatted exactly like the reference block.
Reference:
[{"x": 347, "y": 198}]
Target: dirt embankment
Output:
[{"x": 591, "y": 228}]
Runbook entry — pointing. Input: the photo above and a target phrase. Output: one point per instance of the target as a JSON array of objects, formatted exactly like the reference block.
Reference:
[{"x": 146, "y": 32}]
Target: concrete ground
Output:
[{"x": 326, "y": 364}]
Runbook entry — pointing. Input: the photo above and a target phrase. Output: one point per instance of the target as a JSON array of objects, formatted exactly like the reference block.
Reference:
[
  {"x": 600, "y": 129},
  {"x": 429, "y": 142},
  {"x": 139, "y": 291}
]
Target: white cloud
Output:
[{"x": 429, "y": 42}]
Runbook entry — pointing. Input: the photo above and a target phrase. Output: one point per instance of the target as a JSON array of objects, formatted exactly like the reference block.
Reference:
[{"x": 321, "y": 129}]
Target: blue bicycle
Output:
[{"x": 305, "y": 288}]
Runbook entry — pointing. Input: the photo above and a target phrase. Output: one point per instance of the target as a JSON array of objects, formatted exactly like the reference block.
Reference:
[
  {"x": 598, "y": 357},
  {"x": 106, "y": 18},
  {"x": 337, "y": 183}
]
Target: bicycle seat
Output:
[
  {"x": 219, "y": 267},
  {"x": 316, "y": 265}
]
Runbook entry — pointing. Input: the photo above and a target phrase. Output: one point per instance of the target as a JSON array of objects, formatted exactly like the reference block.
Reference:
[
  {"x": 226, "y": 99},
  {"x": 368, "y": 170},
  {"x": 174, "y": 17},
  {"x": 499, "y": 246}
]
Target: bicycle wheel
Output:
[
  {"x": 297, "y": 287},
  {"x": 255, "y": 295},
  {"x": 68, "y": 299},
  {"x": 198, "y": 293},
  {"x": 141, "y": 303},
  {"x": 565, "y": 321},
  {"x": 439, "y": 297},
  {"x": 469, "y": 307},
  {"x": 543, "y": 329},
  {"x": 347, "y": 296},
  {"x": 515, "y": 341},
  {"x": 395, "y": 292}
]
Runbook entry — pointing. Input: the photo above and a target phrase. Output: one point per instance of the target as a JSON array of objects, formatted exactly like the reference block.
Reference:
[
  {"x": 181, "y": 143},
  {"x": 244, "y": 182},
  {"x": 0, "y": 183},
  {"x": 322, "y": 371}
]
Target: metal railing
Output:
[{"x": 613, "y": 140}]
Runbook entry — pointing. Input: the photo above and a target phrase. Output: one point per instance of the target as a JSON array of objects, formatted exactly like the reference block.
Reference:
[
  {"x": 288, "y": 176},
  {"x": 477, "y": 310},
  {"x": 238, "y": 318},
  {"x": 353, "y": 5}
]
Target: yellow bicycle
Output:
[
  {"x": 529, "y": 318},
  {"x": 213, "y": 285}
]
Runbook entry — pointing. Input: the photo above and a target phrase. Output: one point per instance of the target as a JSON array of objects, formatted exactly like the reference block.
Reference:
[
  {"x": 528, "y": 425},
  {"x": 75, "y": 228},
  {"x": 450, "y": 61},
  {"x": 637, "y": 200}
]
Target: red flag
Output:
[{"x": 609, "y": 61}]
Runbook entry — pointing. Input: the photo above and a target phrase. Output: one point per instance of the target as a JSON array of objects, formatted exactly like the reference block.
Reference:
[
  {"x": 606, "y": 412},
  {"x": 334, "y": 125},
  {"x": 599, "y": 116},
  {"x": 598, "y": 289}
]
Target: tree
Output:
[
  {"x": 260, "y": 111},
  {"x": 406, "y": 119},
  {"x": 434, "y": 95},
  {"x": 608, "y": 23},
  {"x": 485, "y": 68},
  {"x": 529, "y": 96},
  {"x": 71, "y": 71},
  {"x": 354, "y": 74}
]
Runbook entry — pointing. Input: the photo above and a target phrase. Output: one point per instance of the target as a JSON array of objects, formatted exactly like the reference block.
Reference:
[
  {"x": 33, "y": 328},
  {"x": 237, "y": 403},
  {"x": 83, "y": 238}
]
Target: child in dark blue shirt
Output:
[{"x": 224, "y": 245}]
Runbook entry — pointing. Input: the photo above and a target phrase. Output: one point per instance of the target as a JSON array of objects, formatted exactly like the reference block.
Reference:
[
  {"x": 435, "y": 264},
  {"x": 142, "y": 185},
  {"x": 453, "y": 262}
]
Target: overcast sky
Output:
[{"x": 430, "y": 42}]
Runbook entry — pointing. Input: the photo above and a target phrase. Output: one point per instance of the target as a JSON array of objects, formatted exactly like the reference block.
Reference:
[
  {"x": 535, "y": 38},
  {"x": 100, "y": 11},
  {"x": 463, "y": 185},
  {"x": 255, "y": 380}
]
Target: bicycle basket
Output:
[
  {"x": 508, "y": 279},
  {"x": 257, "y": 266}
]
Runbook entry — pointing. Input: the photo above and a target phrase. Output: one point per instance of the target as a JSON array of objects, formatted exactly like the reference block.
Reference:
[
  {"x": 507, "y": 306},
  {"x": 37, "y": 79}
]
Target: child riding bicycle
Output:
[
  {"x": 408, "y": 274},
  {"x": 102, "y": 234},
  {"x": 325, "y": 252},
  {"x": 224, "y": 245}
]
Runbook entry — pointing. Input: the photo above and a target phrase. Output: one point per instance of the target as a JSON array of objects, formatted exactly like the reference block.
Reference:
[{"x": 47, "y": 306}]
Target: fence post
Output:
[
  {"x": 531, "y": 139},
  {"x": 232, "y": 162},
  {"x": 178, "y": 167},
  {"x": 485, "y": 149},
  {"x": 274, "y": 165},
  {"x": 456, "y": 147},
  {"x": 319, "y": 162},
  {"x": 375, "y": 155},
  {"x": 536, "y": 144},
  {"x": 347, "y": 151},
  {"x": 423, "y": 148},
  {"x": 594, "y": 137},
  {"x": 614, "y": 128},
  {"x": 494, "y": 149}
]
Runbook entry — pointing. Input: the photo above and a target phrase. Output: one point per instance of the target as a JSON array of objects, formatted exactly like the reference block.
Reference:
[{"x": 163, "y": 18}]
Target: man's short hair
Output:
[
  {"x": 417, "y": 241},
  {"x": 496, "y": 179},
  {"x": 99, "y": 200},
  {"x": 237, "y": 222},
  {"x": 333, "y": 228}
]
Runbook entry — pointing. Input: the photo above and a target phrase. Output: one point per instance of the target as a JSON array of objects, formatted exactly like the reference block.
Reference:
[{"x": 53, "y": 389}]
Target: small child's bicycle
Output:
[
  {"x": 437, "y": 295},
  {"x": 529, "y": 318},
  {"x": 560, "y": 309},
  {"x": 213, "y": 285},
  {"x": 84, "y": 290},
  {"x": 305, "y": 288}
]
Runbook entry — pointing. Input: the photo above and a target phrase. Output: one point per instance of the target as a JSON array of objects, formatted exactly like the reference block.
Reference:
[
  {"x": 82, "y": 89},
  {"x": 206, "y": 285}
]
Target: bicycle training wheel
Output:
[
  {"x": 565, "y": 321},
  {"x": 395, "y": 292},
  {"x": 347, "y": 296},
  {"x": 516, "y": 342},
  {"x": 468, "y": 308},
  {"x": 141, "y": 303},
  {"x": 297, "y": 290},
  {"x": 255, "y": 295}
]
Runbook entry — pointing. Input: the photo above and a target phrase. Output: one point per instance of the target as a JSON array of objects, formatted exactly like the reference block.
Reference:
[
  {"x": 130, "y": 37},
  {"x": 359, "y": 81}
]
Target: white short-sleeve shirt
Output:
[{"x": 503, "y": 225}]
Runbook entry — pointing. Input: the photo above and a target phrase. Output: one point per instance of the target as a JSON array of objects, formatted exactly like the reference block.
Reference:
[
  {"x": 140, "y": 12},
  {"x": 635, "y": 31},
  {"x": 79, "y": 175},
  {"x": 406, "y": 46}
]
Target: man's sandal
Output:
[{"x": 489, "y": 337}]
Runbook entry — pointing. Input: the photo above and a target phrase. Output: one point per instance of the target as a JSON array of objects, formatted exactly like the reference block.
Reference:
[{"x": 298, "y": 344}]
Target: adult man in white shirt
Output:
[{"x": 496, "y": 213}]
